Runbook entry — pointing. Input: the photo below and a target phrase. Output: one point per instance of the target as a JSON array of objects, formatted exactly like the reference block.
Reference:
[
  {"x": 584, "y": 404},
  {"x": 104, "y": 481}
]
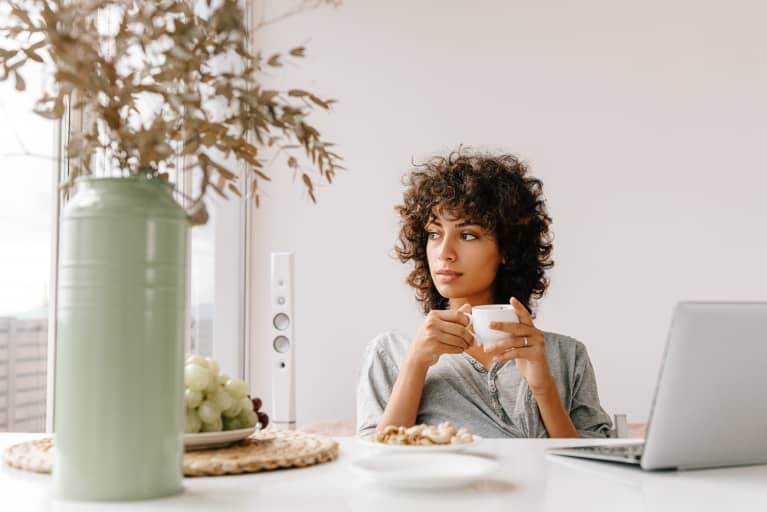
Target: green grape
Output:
[
  {"x": 213, "y": 365},
  {"x": 245, "y": 403},
  {"x": 214, "y": 426},
  {"x": 213, "y": 385},
  {"x": 234, "y": 410},
  {"x": 248, "y": 418},
  {"x": 222, "y": 379},
  {"x": 209, "y": 412},
  {"x": 196, "y": 377},
  {"x": 232, "y": 423},
  {"x": 222, "y": 399},
  {"x": 193, "y": 423},
  {"x": 236, "y": 388},
  {"x": 192, "y": 398},
  {"x": 198, "y": 360}
]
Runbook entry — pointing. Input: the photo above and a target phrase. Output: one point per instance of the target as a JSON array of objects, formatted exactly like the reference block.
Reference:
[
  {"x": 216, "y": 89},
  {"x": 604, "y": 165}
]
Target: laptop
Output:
[{"x": 710, "y": 405}]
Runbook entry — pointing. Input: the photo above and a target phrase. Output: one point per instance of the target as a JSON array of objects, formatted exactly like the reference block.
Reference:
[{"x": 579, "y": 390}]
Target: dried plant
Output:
[{"x": 166, "y": 79}]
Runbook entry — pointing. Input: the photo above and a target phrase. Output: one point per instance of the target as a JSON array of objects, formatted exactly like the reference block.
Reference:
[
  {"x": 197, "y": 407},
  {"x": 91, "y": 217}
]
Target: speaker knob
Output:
[
  {"x": 281, "y": 344},
  {"x": 281, "y": 321}
]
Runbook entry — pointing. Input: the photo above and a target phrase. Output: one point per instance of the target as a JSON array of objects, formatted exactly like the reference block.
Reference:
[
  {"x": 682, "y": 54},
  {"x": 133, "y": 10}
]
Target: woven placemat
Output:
[
  {"x": 31, "y": 456},
  {"x": 262, "y": 451}
]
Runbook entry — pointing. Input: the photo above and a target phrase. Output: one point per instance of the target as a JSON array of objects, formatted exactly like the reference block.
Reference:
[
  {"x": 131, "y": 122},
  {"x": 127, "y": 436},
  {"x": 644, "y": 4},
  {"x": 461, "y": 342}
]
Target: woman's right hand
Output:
[{"x": 442, "y": 332}]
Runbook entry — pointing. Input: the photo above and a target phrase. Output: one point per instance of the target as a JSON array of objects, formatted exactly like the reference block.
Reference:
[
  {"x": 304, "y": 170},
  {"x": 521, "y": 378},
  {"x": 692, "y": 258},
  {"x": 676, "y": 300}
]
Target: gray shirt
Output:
[{"x": 494, "y": 403}]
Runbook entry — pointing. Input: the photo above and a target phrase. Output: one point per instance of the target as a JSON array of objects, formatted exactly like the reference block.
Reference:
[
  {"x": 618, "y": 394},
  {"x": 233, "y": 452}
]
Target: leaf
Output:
[
  {"x": 218, "y": 187},
  {"x": 293, "y": 163},
  {"x": 298, "y": 51},
  {"x": 267, "y": 96},
  {"x": 254, "y": 188},
  {"x": 253, "y": 162},
  {"x": 298, "y": 93},
  {"x": 274, "y": 61},
  {"x": 19, "y": 13},
  {"x": 319, "y": 102},
  {"x": 310, "y": 186},
  {"x": 198, "y": 214},
  {"x": 233, "y": 188},
  {"x": 224, "y": 173},
  {"x": 21, "y": 85},
  {"x": 33, "y": 55},
  {"x": 261, "y": 175}
]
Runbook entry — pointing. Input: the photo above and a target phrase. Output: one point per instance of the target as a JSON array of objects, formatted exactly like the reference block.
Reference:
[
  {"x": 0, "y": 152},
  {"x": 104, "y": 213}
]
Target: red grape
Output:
[
  {"x": 263, "y": 419},
  {"x": 256, "y": 404}
]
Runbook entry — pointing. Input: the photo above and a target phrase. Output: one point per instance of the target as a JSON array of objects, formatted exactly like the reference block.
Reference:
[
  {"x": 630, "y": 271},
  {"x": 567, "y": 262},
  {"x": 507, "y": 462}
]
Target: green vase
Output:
[{"x": 119, "y": 408}]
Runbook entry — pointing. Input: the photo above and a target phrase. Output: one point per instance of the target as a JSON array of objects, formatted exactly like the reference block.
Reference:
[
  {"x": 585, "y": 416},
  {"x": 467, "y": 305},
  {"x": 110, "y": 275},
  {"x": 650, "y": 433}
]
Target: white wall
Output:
[{"x": 645, "y": 120}]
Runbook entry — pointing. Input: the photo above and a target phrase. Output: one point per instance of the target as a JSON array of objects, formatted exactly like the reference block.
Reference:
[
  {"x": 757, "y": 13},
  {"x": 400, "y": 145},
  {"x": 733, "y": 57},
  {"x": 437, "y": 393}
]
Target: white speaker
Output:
[{"x": 282, "y": 342}]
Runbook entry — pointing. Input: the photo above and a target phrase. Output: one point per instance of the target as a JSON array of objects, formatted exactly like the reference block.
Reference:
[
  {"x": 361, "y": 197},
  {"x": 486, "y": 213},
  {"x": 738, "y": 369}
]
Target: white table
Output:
[{"x": 529, "y": 480}]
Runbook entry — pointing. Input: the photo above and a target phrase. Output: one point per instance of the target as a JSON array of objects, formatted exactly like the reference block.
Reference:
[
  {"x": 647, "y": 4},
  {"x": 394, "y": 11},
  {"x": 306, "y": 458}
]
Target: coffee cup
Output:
[{"x": 481, "y": 316}]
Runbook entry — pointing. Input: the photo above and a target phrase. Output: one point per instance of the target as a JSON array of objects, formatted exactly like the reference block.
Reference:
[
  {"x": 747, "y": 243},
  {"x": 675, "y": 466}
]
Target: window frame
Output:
[{"x": 69, "y": 122}]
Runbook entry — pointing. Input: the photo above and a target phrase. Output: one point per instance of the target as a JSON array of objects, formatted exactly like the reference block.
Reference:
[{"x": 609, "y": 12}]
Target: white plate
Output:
[
  {"x": 206, "y": 440},
  {"x": 433, "y": 448},
  {"x": 424, "y": 470}
]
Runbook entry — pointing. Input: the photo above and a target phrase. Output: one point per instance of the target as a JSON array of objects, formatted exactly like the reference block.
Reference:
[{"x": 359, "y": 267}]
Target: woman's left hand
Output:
[{"x": 526, "y": 346}]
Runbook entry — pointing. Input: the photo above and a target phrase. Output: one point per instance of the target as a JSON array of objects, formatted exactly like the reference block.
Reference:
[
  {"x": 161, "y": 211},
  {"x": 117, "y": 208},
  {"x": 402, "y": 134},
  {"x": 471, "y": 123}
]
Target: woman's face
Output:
[{"x": 463, "y": 259}]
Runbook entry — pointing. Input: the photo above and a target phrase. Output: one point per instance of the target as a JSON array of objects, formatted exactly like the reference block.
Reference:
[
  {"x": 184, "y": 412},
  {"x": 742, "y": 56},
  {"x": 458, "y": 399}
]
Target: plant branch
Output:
[{"x": 159, "y": 83}]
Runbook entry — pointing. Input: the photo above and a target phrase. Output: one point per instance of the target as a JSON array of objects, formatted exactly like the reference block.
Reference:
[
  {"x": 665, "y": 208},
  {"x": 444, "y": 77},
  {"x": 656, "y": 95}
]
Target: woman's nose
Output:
[{"x": 447, "y": 250}]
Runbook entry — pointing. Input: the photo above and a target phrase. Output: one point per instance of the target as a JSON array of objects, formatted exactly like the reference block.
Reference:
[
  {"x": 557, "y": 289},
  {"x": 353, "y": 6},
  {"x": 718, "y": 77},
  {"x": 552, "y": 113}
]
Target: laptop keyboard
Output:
[{"x": 617, "y": 450}]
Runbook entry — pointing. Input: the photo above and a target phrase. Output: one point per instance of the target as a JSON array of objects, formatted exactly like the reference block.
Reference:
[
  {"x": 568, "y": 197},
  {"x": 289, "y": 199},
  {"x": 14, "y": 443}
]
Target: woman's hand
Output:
[
  {"x": 526, "y": 346},
  {"x": 442, "y": 332}
]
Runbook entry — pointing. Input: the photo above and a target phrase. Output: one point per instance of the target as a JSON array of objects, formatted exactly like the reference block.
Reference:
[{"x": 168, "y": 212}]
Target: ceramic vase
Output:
[{"x": 119, "y": 409}]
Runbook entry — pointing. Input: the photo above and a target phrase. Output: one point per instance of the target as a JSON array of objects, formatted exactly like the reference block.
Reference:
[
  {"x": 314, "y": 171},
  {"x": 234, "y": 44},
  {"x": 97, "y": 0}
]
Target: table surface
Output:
[{"x": 529, "y": 479}]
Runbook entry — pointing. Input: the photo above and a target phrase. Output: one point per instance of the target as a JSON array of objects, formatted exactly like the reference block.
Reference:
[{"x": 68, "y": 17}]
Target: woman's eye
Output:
[
  {"x": 469, "y": 236},
  {"x": 432, "y": 235}
]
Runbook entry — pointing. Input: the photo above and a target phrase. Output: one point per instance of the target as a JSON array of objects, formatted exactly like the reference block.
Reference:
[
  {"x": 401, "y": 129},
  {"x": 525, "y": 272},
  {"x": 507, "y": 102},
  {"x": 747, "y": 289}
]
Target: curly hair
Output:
[{"x": 493, "y": 191}]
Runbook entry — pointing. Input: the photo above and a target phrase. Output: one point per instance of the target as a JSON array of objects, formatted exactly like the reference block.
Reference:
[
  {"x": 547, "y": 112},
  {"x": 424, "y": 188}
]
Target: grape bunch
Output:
[{"x": 216, "y": 402}]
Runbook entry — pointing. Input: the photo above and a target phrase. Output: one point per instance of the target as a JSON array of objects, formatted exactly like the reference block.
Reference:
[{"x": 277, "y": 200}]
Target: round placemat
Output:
[
  {"x": 31, "y": 456},
  {"x": 262, "y": 451}
]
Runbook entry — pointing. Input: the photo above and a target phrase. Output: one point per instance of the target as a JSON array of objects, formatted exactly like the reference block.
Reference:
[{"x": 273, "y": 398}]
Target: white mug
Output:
[{"x": 481, "y": 316}]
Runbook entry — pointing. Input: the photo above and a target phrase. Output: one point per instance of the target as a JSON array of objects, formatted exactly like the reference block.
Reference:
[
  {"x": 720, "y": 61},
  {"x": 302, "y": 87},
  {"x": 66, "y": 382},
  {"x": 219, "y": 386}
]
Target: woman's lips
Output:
[{"x": 447, "y": 277}]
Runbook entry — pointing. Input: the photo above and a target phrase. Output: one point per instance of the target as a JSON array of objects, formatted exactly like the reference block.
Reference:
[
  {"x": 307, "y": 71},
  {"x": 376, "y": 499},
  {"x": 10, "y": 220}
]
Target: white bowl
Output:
[
  {"x": 207, "y": 440},
  {"x": 424, "y": 470},
  {"x": 432, "y": 448}
]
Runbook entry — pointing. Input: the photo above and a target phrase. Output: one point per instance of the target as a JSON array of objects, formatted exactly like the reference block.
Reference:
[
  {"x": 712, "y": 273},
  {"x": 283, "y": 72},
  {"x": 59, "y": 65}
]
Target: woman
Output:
[{"x": 477, "y": 230}]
